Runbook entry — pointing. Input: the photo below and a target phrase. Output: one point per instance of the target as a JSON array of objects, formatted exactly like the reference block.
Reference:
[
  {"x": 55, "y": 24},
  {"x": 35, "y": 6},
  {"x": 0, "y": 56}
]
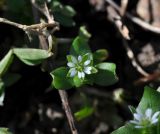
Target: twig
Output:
[
  {"x": 131, "y": 56},
  {"x": 136, "y": 20},
  {"x": 35, "y": 28},
  {"x": 44, "y": 10},
  {"x": 124, "y": 4},
  {"x": 67, "y": 110},
  {"x": 62, "y": 93},
  {"x": 6, "y": 21}
]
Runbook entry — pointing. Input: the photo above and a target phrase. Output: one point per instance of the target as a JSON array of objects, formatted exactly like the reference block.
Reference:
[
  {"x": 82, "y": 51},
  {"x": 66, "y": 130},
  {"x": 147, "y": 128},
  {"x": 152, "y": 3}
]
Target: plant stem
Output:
[
  {"x": 62, "y": 93},
  {"x": 67, "y": 110}
]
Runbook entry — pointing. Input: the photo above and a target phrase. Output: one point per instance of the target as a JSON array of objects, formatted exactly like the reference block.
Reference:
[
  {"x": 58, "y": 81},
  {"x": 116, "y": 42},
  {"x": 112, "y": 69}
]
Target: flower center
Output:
[
  {"x": 145, "y": 122},
  {"x": 79, "y": 67}
]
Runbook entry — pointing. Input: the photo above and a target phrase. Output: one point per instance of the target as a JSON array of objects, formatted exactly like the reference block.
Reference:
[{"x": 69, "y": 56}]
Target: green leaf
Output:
[
  {"x": 31, "y": 56},
  {"x": 79, "y": 46},
  {"x": 106, "y": 74},
  {"x": 158, "y": 126},
  {"x": 69, "y": 11},
  {"x": 77, "y": 81},
  {"x": 11, "y": 78},
  {"x": 56, "y": 5},
  {"x": 63, "y": 14},
  {"x": 60, "y": 79},
  {"x": 83, "y": 33},
  {"x": 127, "y": 130},
  {"x": 4, "y": 131},
  {"x": 100, "y": 55},
  {"x": 150, "y": 99},
  {"x": 132, "y": 109},
  {"x": 5, "y": 62},
  {"x": 84, "y": 113},
  {"x": 2, "y": 87}
]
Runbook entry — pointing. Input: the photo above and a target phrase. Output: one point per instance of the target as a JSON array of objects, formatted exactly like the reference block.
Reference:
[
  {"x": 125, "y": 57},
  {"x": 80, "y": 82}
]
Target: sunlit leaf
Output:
[
  {"x": 4, "y": 131},
  {"x": 31, "y": 56},
  {"x": 127, "y": 130},
  {"x": 84, "y": 113},
  {"x": 150, "y": 99},
  {"x": 5, "y": 62},
  {"x": 100, "y": 55},
  {"x": 69, "y": 11},
  {"x": 83, "y": 33}
]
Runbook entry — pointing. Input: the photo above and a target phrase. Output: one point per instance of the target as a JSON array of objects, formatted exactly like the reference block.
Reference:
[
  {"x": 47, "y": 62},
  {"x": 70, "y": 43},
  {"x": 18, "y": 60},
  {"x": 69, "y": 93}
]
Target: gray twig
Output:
[
  {"x": 35, "y": 28},
  {"x": 136, "y": 20}
]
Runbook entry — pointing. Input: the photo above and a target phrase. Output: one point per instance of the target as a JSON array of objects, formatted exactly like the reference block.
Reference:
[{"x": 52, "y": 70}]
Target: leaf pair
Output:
[
  {"x": 63, "y": 13},
  {"x": 28, "y": 56}
]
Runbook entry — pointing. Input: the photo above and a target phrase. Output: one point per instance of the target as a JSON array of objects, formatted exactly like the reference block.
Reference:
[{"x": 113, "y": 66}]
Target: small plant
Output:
[
  {"x": 144, "y": 120},
  {"x": 83, "y": 66},
  {"x": 146, "y": 115}
]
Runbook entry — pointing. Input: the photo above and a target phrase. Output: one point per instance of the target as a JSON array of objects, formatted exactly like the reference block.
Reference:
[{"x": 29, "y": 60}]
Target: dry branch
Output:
[
  {"x": 136, "y": 20},
  {"x": 62, "y": 93}
]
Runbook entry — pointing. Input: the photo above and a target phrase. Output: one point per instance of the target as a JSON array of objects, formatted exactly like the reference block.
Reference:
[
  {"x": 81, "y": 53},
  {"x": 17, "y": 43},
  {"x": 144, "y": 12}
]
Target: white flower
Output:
[
  {"x": 145, "y": 120},
  {"x": 80, "y": 66}
]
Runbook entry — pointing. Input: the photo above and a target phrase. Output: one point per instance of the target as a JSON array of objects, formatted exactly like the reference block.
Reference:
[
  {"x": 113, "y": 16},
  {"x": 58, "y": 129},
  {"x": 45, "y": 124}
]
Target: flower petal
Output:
[
  {"x": 134, "y": 122},
  {"x": 82, "y": 74},
  {"x": 74, "y": 60},
  {"x": 87, "y": 70},
  {"x": 79, "y": 58},
  {"x": 138, "y": 111},
  {"x": 87, "y": 62},
  {"x": 148, "y": 113},
  {"x": 138, "y": 126},
  {"x": 154, "y": 121},
  {"x": 72, "y": 72},
  {"x": 155, "y": 115},
  {"x": 70, "y": 64},
  {"x": 137, "y": 116},
  {"x": 79, "y": 75}
]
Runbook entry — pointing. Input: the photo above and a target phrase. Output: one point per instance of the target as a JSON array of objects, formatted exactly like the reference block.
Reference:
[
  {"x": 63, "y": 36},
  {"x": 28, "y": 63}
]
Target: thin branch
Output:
[
  {"x": 6, "y": 21},
  {"x": 44, "y": 10},
  {"x": 136, "y": 20},
  {"x": 62, "y": 93},
  {"x": 124, "y": 4},
  {"x": 67, "y": 109},
  {"x": 131, "y": 56},
  {"x": 35, "y": 28},
  {"x": 118, "y": 23}
]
